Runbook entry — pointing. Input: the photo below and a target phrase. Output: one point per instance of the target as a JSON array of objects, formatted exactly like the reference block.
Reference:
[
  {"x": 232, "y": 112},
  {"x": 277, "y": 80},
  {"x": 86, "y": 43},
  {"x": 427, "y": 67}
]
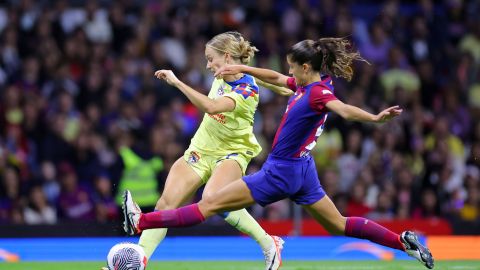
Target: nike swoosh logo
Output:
[{"x": 271, "y": 265}]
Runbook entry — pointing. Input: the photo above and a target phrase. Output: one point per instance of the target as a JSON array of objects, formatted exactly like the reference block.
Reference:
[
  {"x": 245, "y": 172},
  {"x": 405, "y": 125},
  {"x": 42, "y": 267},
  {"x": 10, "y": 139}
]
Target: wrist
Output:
[
  {"x": 177, "y": 83},
  {"x": 245, "y": 69}
]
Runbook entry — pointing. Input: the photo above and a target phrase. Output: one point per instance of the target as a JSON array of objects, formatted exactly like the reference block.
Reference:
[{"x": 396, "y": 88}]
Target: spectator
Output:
[
  {"x": 38, "y": 210},
  {"x": 74, "y": 201},
  {"x": 105, "y": 207},
  {"x": 75, "y": 79}
]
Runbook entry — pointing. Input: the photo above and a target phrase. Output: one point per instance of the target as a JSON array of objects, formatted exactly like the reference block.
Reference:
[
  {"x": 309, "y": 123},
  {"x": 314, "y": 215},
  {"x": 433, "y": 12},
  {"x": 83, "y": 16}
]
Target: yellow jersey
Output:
[{"x": 230, "y": 132}]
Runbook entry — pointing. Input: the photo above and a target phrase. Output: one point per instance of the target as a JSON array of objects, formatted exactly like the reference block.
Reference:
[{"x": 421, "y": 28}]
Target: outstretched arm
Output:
[
  {"x": 353, "y": 113},
  {"x": 263, "y": 74},
  {"x": 204, "y": 103},
  {"x": 282, "y": 91}
]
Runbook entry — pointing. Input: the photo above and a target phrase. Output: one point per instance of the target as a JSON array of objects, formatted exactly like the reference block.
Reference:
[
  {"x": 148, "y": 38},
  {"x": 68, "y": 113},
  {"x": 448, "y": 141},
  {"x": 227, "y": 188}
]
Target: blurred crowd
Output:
[{"x": 77, "y": 85}]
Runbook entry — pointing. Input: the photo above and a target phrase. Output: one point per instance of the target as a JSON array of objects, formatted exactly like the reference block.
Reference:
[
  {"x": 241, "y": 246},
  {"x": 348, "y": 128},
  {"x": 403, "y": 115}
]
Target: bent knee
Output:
[
  {"x": 165, "y": 204},
  {"x": 207, "y": 195},
  {"x": 209, "y": 205}
]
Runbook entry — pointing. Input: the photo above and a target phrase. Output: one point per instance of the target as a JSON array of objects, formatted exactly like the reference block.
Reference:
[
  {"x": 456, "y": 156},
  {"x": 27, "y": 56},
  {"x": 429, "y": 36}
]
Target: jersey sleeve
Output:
[
  {"x": 319, "y": 97},
  {"x": 244, "y": 95},
  {"x": 292, "y": 84}
]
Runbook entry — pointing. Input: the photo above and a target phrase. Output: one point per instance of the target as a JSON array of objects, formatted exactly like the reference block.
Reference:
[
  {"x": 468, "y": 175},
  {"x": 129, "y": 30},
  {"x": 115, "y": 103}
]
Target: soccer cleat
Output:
[
  {"x": 104, "y": 268},
  {"x": 415, "y": 249},
  {"x": 273, "y": 256},
  {"x": 131, "y": 214}
]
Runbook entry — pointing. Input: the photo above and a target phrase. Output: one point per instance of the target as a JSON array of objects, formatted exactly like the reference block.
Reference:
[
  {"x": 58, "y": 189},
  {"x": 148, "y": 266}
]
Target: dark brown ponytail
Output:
[{"x": 333, "y": 56}]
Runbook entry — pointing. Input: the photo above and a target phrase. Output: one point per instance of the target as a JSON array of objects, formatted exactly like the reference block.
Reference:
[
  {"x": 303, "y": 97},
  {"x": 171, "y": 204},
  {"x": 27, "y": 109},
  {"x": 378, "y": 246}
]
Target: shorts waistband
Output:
[{"x": 289, "y": 159}]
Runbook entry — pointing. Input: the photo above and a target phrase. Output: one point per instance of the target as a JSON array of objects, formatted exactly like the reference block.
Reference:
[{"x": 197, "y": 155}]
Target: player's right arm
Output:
[
  {"x": 204, "y": 103},
  {"x": 263, "y": 74}
]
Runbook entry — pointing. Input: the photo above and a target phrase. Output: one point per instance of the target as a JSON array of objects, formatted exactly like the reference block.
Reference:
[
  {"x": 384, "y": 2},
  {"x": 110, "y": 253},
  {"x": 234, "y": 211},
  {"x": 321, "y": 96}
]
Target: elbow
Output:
[{"x": 210, "y": 109}]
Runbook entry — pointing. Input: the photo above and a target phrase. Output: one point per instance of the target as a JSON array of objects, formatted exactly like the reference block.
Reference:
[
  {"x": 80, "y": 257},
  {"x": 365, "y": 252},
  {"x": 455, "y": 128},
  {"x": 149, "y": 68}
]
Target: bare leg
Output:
[
  {"x": 226, "y": 172},
  {"x": 325, "y": 212},
  {"x": 181, "y": 183},
  {"x": 233, "y": 196}
]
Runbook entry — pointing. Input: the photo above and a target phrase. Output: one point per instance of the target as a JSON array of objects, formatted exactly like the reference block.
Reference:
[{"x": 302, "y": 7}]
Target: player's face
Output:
[
  {"x": 297, "y": 71},
  {"x": 215, "y": 60}
]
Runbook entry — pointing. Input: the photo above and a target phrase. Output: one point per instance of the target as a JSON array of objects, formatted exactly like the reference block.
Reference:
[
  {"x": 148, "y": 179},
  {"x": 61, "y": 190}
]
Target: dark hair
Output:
[{"x": 333, "y": 56}]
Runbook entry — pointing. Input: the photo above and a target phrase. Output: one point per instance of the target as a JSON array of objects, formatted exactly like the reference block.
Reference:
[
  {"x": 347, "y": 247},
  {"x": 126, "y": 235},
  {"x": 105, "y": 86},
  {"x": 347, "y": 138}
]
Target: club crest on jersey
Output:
[
  {"x": 220, "y": 91},
  {"x": 194, "y": 157}
]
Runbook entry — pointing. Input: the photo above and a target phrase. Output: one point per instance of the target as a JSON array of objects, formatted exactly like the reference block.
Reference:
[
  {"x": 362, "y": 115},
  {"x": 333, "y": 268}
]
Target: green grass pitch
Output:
[{"x": 252, "y": 265}]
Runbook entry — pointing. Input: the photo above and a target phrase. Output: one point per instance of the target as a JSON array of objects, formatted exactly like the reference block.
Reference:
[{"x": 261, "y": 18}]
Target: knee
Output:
[
  {"x": 208, "y": 204},
  {"x": 207, "y": 195}
]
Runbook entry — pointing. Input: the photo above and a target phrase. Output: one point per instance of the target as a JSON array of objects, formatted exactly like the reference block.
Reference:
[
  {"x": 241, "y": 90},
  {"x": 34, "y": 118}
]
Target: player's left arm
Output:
[
  {"x": 353, "y": 113},
  {"x": 323, "y": 98},
  {"x": 204, "y": 103},
  {"x": 282, "y": 91}
]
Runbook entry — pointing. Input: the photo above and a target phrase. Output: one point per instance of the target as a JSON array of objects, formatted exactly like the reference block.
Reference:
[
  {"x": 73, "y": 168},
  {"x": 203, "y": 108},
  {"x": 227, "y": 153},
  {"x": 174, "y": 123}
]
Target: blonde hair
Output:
[{"x": 233, "y": 43}]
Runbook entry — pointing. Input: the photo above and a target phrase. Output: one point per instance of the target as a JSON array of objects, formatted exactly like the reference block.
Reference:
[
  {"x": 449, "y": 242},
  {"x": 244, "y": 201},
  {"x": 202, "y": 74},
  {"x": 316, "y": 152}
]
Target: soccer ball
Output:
[{"x": 126, "y": 256}]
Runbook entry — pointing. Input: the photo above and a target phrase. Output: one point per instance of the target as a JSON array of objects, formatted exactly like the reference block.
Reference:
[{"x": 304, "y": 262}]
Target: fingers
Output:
[
  {"x": 163, "y": 74},
  {"x": 396, "y": 107},
  {"x": 389, "y": 113},
  {"x": 394, "y": 110},
  {"x": 160, "y": 74},
  {"x": 218, "y": 72}
]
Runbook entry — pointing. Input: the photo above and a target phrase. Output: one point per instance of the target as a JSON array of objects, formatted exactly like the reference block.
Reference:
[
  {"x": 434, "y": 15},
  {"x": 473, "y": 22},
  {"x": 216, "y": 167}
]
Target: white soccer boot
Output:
[
  {"x": 273, "y": 256},
  {"x": 131, "y": 214}
]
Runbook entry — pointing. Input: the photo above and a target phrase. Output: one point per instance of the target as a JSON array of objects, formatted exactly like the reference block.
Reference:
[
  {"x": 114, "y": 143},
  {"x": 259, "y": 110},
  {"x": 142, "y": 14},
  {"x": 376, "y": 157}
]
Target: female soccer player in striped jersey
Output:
[
  {"x": 224, "y": 143},
  {"x": 289, "y": 171}
]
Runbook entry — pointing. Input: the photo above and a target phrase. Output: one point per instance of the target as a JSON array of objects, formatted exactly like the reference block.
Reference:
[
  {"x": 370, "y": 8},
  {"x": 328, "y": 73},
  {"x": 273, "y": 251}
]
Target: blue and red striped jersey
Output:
[{"x": 304, "y": 119}]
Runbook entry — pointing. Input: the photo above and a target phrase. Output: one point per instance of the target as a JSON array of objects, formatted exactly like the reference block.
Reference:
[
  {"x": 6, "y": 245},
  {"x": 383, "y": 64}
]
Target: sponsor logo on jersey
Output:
[
  {"x": 220, "y": 118},
  {"x": 325, "y": 92},
  {"x": 194, "y": 157}
]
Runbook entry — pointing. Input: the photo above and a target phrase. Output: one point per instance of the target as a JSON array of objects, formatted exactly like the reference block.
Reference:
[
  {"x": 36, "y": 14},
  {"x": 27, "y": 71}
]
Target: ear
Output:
[
  {"x": 227, "y": 58},
  {"x": 306, "y": 67}
]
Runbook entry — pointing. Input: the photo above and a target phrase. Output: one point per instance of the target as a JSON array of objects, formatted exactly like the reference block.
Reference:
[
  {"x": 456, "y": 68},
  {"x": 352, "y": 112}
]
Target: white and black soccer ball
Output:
[{"x": 126, "y": 256}]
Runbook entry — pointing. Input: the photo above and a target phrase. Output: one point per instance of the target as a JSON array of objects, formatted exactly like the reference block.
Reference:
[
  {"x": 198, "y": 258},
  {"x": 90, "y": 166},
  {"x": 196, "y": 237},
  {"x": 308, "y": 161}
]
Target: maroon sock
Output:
[
  {"x": 366, "y": 229},
  {"x": 181, "y": 217}
]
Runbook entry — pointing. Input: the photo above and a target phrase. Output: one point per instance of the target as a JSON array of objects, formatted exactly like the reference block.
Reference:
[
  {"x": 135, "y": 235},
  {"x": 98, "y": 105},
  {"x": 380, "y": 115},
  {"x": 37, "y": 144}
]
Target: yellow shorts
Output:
[{"x": 204, "y": 164}]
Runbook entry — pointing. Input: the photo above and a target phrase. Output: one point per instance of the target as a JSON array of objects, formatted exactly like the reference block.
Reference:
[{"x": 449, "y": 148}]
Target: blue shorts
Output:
[{"x": 280, "y": 178}]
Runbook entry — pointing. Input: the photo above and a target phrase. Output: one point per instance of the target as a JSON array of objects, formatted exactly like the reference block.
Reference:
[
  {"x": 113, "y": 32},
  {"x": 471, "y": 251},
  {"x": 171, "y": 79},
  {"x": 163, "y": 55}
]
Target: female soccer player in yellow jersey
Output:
[{"x": 224, "y": 143}]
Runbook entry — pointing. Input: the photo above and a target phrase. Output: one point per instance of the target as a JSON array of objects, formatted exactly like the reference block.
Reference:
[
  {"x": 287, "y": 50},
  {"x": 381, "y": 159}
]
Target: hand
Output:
[
  {"x": 388, "y": 114},
  {"x": 228, "y": 70},
  {"x": 168, "y": 76}
]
